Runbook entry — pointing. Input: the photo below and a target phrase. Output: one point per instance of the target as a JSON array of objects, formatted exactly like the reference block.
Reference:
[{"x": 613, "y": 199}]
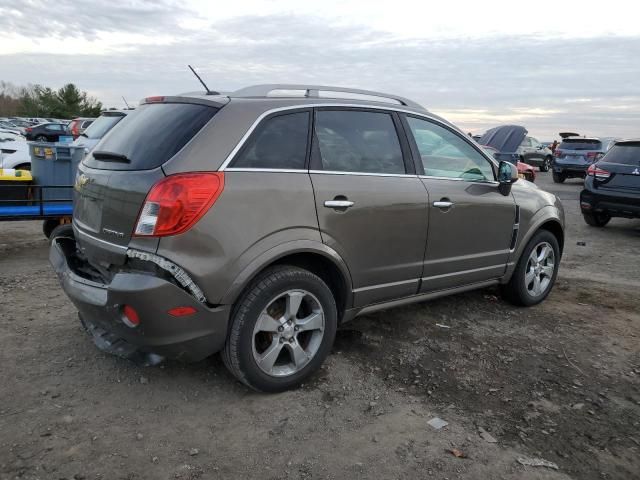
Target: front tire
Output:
[
  {"x": 559, "y": 177},
  {"x": 596, "y": 219},
  {"x": 536, "y": 271},
  {"x": 282, "y": 329}
]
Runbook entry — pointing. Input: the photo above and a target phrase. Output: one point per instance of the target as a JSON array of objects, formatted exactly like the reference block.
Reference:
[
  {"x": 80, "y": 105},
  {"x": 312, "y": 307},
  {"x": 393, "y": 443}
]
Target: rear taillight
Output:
[
  {"x": 28, "y": 129},
  {"x": 599, "y": 173},
  {"x": 177, "y": 202},
  {"x": 557, "y": 153}
]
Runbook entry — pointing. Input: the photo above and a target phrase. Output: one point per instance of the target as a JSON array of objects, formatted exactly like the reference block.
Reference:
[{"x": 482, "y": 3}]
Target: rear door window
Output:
[
  {"x": 279, "y": 143},
  {"x": 624, "y": 154},
  {"x": 151, "y": 135},
  {"x": 358, "y": 141}
]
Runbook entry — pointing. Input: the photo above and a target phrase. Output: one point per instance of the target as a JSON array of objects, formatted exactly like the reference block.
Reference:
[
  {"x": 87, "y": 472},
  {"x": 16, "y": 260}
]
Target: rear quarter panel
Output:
[{"x": 257, "y": 212}]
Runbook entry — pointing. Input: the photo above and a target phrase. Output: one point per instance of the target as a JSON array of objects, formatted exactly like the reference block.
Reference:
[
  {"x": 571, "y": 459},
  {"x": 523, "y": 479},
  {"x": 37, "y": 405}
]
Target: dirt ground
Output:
[{"x": 559, "y": 381}]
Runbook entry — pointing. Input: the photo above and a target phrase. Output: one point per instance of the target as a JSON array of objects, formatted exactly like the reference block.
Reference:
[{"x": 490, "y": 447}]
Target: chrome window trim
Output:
[
  {"x": 458, "y": 179},
  {"x": 262, "y": 116},
  {"x": 268, "y": 170},
  {"x": 366, "y": 174}
]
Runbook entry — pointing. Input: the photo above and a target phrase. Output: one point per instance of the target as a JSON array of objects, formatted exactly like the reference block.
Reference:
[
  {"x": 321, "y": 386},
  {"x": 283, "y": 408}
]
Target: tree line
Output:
[{"x": 40, "y": 101}]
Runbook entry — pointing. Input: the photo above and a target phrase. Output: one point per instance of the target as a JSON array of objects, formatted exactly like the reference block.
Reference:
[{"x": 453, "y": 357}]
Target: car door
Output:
[
  {"x": 471, "y": 223},
  {"x": 53, "y": 132},
  {"x": 537, "y": 151},
  {"x": 371, "y": 206}
]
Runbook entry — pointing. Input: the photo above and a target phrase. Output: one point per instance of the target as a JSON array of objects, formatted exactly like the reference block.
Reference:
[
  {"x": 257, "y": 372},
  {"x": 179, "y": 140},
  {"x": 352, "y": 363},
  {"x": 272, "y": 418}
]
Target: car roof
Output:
[
  {"x": 581, "y": 138},
  {"x": 308, "y": 94}
]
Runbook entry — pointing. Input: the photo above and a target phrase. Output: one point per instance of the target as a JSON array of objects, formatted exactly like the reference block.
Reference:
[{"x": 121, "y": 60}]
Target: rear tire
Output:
[
  {"x": 546, "y": 164},
  {"x": 536, "y": 272},
  {"x": 277, "y": 319},
  {"x": 559, "y": 177},
  {"x": 596, "y": 219},
  {"x": 49, "y": 225}
]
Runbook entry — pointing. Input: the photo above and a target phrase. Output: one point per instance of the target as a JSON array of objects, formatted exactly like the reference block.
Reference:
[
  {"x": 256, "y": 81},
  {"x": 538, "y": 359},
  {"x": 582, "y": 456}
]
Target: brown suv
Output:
[{"x": 255, "y": 223}]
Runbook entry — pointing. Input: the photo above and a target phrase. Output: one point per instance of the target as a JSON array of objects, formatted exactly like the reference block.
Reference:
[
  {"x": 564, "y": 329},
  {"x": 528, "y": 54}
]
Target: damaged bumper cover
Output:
[{"x": 100, "y": 304}]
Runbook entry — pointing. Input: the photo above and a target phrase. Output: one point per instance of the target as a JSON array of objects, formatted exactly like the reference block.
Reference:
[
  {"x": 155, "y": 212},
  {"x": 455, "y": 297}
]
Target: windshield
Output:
[{"x": 101, "y": 126}]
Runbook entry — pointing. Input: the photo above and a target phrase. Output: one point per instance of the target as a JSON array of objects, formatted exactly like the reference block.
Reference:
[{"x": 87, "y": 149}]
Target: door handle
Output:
[
  {"x": 443, "y": 204},
  {"x": 338, "y": 203}
]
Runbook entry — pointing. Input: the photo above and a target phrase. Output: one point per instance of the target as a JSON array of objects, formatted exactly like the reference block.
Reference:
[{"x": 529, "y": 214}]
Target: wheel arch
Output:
[
  {"x": 316, "y": 258},
  {"x": 556, "y": 229}
]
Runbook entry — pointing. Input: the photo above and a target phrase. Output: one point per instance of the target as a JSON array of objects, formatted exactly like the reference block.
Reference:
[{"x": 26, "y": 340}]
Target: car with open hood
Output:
[{"x": 512, "y": 142}]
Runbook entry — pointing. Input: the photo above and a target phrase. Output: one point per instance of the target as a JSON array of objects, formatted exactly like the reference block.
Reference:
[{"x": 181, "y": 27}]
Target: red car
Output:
[
  {"x": 525, "y": 170},
  {"x": 77, "y": 126}
]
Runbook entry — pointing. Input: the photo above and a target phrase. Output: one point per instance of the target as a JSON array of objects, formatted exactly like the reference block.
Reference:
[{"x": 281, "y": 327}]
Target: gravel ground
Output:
[{"x": 559, "y": 382}]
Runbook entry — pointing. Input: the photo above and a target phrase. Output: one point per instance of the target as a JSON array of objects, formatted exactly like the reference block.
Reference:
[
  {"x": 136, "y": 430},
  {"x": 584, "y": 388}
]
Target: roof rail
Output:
[{"x": 312, "y": 91}]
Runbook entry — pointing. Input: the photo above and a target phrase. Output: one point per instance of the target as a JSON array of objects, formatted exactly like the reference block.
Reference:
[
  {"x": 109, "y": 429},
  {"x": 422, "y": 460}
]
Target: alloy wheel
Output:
[
  {"x": 288, "y": 333},
  {"x": 540, "y": 267}
]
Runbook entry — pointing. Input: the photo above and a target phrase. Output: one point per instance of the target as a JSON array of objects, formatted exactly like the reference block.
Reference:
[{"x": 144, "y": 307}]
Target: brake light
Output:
[
  {"x": 177, "y": 202},
  {"x": 155, "y": 99},
  {"x": 599, "y": 173},
  {"x": 557, "y": 153},
  {"x": 130, "y": 316},
  {"x": 182, "y": 311}
]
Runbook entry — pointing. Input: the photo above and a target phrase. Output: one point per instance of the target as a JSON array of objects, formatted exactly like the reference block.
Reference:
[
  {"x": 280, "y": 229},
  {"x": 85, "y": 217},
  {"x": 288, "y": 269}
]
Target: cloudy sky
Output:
[{"x": 549, "y": 65}]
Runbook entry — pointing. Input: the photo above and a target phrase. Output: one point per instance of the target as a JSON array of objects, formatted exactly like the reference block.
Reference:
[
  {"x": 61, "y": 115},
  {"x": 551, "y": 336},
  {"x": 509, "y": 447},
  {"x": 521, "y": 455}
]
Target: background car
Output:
[
  {"x": 612, "y": 185},
  {"x": 525, "y": 170},
  {"x": 574, "y": 155},
  {"x": 99, "y": 128},
  {"x": 534, "y": 153},
  {"x": 507, "y": 140},
  {"x": 77, "y": 126},
  {"x": 46, "y": 132},
  {"x": 14, "y": 153},
  {"x": 7, "y": 126}
]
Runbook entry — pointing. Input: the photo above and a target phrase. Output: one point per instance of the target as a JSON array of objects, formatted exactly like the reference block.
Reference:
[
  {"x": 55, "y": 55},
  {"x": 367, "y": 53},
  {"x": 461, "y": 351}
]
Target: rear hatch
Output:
[
  {"x": 622, "y": 163},
  {"x": 114, "y": 179},
  {"x": 579, "y": 151}
]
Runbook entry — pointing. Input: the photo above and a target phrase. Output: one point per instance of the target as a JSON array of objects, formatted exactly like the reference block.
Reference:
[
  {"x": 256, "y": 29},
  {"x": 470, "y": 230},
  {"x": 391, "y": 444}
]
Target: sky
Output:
[{"x": 548, "y": 65}]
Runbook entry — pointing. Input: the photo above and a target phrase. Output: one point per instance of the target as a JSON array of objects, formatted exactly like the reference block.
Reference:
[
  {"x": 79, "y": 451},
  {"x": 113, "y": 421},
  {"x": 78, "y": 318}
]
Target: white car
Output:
[{"x": 14, "y": 151}]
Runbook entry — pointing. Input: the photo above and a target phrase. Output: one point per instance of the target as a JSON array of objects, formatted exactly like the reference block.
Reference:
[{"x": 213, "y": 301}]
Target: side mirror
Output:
[{"x": 507, "y": 175}]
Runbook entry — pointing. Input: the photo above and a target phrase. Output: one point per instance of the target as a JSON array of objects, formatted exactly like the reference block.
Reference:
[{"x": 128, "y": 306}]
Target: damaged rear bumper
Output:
[{"x": 100, "y": 304}]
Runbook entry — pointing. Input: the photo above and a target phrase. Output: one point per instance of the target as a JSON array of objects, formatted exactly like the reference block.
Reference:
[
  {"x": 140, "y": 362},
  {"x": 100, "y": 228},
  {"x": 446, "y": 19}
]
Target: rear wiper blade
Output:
[{"x": 110, "y": 156}]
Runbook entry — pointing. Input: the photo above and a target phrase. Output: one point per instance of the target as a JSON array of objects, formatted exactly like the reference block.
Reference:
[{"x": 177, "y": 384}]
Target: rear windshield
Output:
[
  {"x": 102, "y": 125},
  {"x": 625, "y": 154},
  {"x": 580, "y": 144},
  {"x": 151, "y": 135}
]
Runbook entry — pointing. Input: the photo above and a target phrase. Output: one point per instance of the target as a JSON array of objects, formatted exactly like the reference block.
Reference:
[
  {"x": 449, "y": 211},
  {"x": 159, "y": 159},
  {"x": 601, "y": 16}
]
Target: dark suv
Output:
[
  {"x": 256, "y": 224},
  {"x": 612, "y": 185}
]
